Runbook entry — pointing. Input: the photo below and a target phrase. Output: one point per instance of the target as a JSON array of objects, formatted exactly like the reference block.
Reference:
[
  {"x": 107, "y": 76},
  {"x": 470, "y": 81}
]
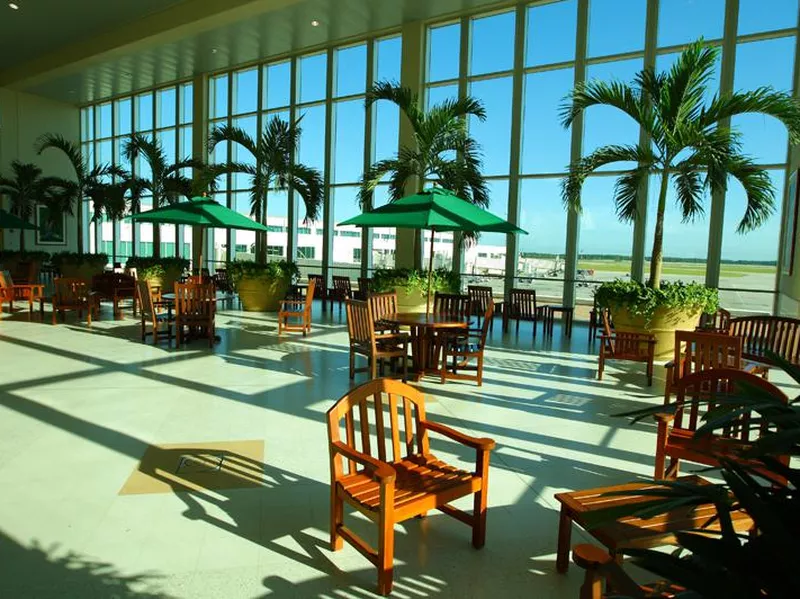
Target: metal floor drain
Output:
[{"x": 196, "y": 463}]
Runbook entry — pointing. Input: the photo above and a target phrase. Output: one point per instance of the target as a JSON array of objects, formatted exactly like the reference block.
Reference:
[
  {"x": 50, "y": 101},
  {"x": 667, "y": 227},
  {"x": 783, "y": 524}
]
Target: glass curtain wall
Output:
[
  {"x": 164, "y": 114},
  {"x": 475, "y": 55}
]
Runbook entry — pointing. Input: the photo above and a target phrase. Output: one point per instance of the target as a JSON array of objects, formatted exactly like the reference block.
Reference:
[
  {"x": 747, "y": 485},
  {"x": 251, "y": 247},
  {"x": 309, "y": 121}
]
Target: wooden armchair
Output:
[
  {"x": 631, "y": 347},
  {"x": 195, "y": 310},
  {"x": 696, "y": 395},
  {"x": 366, "y": 342},
  {"x": 452, "y": 304},
  {"x": 74, "y": 294},
  {"x": 114, "y": 287},
  {"x": 522, "y": 307},
  {"x": 297, "y": 309},
  {"x": 342, "y": 290},
  {"x": 601, "y": 567},
  {"x": 463, "y": 346},
  {"x": 152, "y": 311},
  {"x": 221, "y": 280},
  {"x": 11, "y": 292},
  {"x": 479, "y": 298},
  {"x": 391, "y": 488},
  {"x": 696, "y": 351},
  {"x": 381, "y": 305},
  {"x": 719, "y": 322}
]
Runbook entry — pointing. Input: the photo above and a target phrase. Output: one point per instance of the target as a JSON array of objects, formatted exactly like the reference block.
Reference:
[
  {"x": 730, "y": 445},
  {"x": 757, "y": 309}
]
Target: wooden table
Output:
[
  {"x": 549, "y": 318},
  {"x": 423, "y": 329},
  {"x": 629, "y": 531}
]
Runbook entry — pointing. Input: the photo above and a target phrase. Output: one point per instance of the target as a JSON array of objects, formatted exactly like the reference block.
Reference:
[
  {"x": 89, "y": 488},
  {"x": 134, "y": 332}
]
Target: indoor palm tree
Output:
[
  {"x": 166, "y": 183},
  {"x": 274, "y": 168},
  {"x": 689, "y": 142},
  {"x": 87, "y": 177},
  {"x": 27, "y": 187}
]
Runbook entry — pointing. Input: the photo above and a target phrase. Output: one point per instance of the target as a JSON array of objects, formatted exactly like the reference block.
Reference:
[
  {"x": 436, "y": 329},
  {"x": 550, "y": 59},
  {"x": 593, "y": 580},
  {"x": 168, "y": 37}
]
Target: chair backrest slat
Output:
[
  {"x": 479, "y": 298},
  {"x": 71, "y": 291},
  {"x": 698, "y": 351},
  {"x": 522, "y": 304},
  {"x": 312, "y": 285},
  {"x": 360, "y": 326},
  {"x": 351, "y": 437},
  {"x": 342, "y": 286},
  {"x": 395, "y": 427},
  {"x": 194, "y": 301},
  {"x": 364, "y": 422},
  {"x": 451, "y": 304},
  {"x": 383, "y": 304},
  {"x": 146, "y": 301},
  {"x": 407, "y": 418}
]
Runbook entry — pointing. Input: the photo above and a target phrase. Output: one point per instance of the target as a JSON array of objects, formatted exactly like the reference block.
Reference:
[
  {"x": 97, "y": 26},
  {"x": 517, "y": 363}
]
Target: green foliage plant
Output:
[
  {"x": 410, "y": 280},
  {"x": 271, "y": 271},
  {"x": 643, "y": 301}
]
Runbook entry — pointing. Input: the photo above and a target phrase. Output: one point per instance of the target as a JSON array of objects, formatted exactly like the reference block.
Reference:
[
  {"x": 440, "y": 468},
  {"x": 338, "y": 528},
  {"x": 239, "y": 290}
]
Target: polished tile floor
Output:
[{"x": 79, "y": 407}]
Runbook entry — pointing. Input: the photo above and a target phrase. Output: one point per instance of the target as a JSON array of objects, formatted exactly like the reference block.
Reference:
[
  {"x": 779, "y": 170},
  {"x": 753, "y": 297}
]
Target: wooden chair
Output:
[
  {"x": 522, "y": 306},
  {"x": 11, "y": 292},
  {"x": 364, "y": 288},
  {"x": 596, "y": 320},
  {"x": 114, "y": 287},
  {"x": 463, "y": 346},
  {"x": 221, "y": 280},
  {"x": 631, "y": 347},
  {"x": 719, "y": 322},
  {"x": 452, "y": 304},
  {"x": 74, "y": 294},
  {"x": 601, "y": 567},
  {"x": 696, "y": 351},
  {"x": 195, "y": 309},
  {"x": 152, "y": 311},
  {"x": 382, "y": 304},
  {"x": 696, "y": 395},
  {"x": 342, "y": 290},
  {"x": 479, "y": 298},
  {"x": 391, "y": 488},
  {"x": 299, "y": 309},
  {"x": 366, "y": 342}
]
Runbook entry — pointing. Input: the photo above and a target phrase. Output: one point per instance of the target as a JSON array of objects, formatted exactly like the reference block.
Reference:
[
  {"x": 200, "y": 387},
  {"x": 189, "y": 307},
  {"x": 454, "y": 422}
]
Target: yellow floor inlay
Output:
[{"x": 197, "y": 466}]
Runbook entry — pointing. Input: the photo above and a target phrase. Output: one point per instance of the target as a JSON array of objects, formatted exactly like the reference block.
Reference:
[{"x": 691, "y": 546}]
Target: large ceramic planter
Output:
[
  {"x": 412, "y": 301},
  {"x": 165, "y": 282},
  {"x": 261, "y": 294},
  {"x": 663, "y": 325},
  {"x": 84, "y": 271}
]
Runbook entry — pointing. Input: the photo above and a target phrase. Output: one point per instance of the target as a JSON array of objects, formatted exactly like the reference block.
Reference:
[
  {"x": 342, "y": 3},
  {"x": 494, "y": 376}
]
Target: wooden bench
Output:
[{"x": 761, "y": 334}]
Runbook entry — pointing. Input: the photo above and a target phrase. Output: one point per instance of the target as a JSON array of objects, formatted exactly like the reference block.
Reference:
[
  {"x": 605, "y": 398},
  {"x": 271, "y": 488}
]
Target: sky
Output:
[{"x": 615, "y": 26}]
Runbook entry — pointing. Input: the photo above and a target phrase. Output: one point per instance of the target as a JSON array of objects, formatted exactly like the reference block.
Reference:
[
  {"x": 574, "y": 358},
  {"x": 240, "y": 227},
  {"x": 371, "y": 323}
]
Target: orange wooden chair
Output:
[
  {"x": 152, "y": 312},
  {"x": 365, "y": 341},
  {"x": 391, "y": 488},
  {"x": 631, "y": 347},
  {"x": 11, "y": 292},
  {"x": 342, "y": 290},
  {"x": 696, "y": 395},
  {"x": 195, "y": 310},
  {"x": 463, "y": 346},
  {"x": 73, "y": 294},
  {"x": 297, "y": 309},
  {"x": 698, "y": 351},
  {"x": 381, "y": 305},
  {"x": 479, "y": 298}
]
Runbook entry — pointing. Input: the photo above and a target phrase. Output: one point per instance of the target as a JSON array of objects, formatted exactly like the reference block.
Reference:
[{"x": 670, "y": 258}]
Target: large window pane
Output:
[
  {"x": 664, "y": 62},
  {"x": 123, "y": 114},
  {"x": 492, "y": 44},
  {"x": 87, "y": 123},
  {"x": 187, "y": 103},
  {"x": 218, "y": 97},
  {"x": 757, "y": 15},
  {"x": 277, "y": 82},
  {"x": 144, "y": 112},
  {"x": 545, "y": 143},
  {"x": 104, "y": 124},
  {"x": 248, "y": 124},
  {"x": 493, "y": 134},
  {"x": 444, "y": 45},
  {"x": 348, "y": 158},
  {"x": 351, "y": 70},
  {"x": 346, "y": 240},
  {"x": 684, "y": 21},
  {"x": 278, "y": 224},
  {"x": 616, "y": 26},
  {"x": 245, "y": 91},
  {"x": 312, "y": 77},
  {"x": 384, "y": 240},
  {"x": 551, "y": 32},
  {"x": 488, "y": 255},
  {"x": 768, "y": 62},
  {"x": 166, "y": 106},
  {"x": 388, "y": 56},
  {"x": 386, "y": 125}
]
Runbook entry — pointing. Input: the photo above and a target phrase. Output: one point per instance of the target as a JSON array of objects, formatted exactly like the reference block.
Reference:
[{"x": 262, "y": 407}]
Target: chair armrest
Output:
[
  {"x": 381, "y": 470},
  {"x": 590, "y": 556},
  {"x": 398, "y": 336},
  {"x": 664, "y": 417},
  {"x": 481, "y": 444},
  {"x": 643, "y": 337}
]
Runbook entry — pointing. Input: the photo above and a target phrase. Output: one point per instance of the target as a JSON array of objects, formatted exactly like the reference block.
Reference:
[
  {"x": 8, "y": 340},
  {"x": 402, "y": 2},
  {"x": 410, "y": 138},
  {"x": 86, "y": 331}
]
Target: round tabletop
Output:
[
  {"x": 420, "y": 319},
  {"x": 170, "y": 297}
]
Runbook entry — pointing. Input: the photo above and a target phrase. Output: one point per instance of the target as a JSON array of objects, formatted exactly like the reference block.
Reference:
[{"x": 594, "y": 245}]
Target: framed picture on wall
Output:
[{"x": 51, "y": 227}]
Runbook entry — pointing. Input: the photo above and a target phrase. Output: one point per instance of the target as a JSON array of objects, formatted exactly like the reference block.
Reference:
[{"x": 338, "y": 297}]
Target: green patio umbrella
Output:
[
  {"x": 200, "y": 212},
  {"x": 9, "y": 221},
  {"x": 436, "y": 209}
]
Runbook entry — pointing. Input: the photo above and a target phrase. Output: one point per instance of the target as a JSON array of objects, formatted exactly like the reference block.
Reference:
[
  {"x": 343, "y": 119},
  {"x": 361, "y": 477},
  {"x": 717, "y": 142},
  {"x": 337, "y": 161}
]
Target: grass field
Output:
[{"x": 680, "y": 268}]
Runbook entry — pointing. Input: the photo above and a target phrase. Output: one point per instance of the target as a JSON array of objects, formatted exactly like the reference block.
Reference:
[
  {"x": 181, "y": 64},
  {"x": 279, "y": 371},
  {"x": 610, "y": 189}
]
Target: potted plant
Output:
[
  {"x": 411, "y": 285},
  {"x": 161, "y": 272},
  {"x": 689, "y": 144},
  {"x": 261, "y": 287},
  {"x": 23, "y": 266},
  {"x": 79, "y": 266}
]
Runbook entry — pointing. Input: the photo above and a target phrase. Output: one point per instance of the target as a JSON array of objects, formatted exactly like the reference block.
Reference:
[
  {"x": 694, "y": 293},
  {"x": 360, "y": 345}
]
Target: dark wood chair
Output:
[
  {"x": 195, "y": 310},
  {"x": 342, "y": 290},
  {"x": 463, "y": 346},
  {"x": 299, "y": 309},
  {"x": 630, "y": 347},
  {"x": 72, "y": 294},
  {"x": 718, "y": 322},
  {"x": 115, "y": 287},
  {"x": 366, "y": 342},
  {"x": 697, "y": 395},
  {"x": 381, "y": 305},
  {"x": 479, "y": 298},
  {"x": 320, "y": 289},
  {"x": 762, "y": 334},
  {"x": 153, "y": 312},
  {"x": 405, "y": 480},
  {"x": 596, "y": 320},
  {"x": 522, "y": 307},
  {"x": 221, "y": 280},
  {"x": 452, "y": 304},
  {"x": 364, "y": 288},
  {"x": 696, "y": 351},
  {"x": 11, "y": 292}
]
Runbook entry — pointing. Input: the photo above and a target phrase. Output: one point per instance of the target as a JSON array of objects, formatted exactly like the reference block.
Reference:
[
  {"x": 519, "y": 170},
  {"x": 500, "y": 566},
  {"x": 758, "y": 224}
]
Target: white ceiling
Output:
[{"x": 130, "y": 67}]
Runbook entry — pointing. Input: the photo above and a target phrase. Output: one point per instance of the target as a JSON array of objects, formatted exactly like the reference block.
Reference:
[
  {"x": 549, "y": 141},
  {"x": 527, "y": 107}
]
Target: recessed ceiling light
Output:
[
  {"x": 13, "y": 6},
  {"x": 315, "y": 23}
]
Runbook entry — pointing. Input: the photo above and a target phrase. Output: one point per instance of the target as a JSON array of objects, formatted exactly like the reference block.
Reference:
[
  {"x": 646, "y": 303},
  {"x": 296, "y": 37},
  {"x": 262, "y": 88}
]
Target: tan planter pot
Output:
[
  {"x": 663, "y": 325},
  {"x": 84, "y": 272},
  {"x": 413, "y": 301},
  {"x": 261, "y": 294}
]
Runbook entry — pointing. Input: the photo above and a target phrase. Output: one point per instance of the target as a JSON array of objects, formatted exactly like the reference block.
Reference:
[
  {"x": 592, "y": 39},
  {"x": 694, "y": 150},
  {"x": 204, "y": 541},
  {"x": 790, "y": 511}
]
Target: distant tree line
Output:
[{"x": 621, "y": 258}]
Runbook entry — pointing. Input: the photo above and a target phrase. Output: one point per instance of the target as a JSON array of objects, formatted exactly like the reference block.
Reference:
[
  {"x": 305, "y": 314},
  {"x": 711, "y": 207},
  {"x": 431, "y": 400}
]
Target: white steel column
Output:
[
  {"x": 199, "y": 147},
  {"x": 369, "y": 155},
  {"x": 327, "y": 209},
  {"x": 463, "y": 92}
]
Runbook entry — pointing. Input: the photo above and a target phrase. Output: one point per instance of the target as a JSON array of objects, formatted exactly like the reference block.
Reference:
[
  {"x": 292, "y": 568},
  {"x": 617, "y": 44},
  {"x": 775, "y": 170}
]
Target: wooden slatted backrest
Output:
[
  {"x": 697, "y": 351},
  {"x": 774, "y": 333},
  {"x": 360, "y": 326},
  {"x": 608, "y": 331},
  {"x": 487, "y": 320},
  {"x": 146, "y": 299},
  {"x": 380, "y": 418},
  {"x": 194, "y": 302},
  {"x": 701, "y": 392},
  {"x": 6, "y": 282},
  {"x": 522, "y": 304},
  {"x": 71, "y": 291},
  {"x": 312, "y": 284},
  {"x": 364, "y": 285},
  {"x": 319, "y": 284},
  {"x": 451, "y": 304},
  {"x": 342, "y": 286},
  {"x": 383, "y": 304}
]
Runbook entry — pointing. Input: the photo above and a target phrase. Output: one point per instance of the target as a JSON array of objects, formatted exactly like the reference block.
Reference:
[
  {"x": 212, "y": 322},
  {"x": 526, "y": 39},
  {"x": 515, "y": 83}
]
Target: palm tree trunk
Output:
[
  {"x": 79, "y": 228},
  {"x": 156, "y": 231},
  {"x": 657, "y": 258},
  {"x": 22, "y": 240},
  {"x": 261, "y": 236}
]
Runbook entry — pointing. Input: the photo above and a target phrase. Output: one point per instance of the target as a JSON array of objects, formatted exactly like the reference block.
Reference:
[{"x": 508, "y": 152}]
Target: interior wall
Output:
[{"x": 23, "y": 118}]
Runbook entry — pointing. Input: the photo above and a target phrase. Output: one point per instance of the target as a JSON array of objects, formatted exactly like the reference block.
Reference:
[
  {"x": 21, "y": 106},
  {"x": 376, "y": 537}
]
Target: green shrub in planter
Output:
[
  {"x": 161, "y": 272},
  {"x": 412, "y": 285},
  {"x": 79, "y": 266},
  {"x": 11, "y": 259},
  {"x": 261, "y": 287}
]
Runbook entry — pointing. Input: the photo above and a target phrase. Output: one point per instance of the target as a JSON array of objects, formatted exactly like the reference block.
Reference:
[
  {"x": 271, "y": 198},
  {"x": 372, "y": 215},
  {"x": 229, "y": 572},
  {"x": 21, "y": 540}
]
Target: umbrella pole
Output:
[{"x": 430, "y": 276}]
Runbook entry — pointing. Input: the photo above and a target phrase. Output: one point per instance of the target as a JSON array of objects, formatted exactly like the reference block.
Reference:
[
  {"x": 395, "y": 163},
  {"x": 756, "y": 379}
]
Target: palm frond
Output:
[
  {"x": 763, "y": 100},
  {"x": 461, "y": 107},
  {"x": 307, "y": 182},
  {"x": 601, "y": 93},
  {"x": 686, "y": 82},
  {"x": 689, "y": 189},
  {"x": 370, "y": 180},
  {"x": 759, "y": 189},
  {"x": 148, "y": 148},
  {"x": 627, "y": 191},
  {"x": 227, "y": 133},
  {"x": 71, "y": 149},
  {"x": 403, "y": 97}
]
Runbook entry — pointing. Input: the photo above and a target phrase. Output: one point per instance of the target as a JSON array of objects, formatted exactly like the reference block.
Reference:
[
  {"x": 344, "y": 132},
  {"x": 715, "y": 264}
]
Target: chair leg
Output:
[
  {"x": 479, "y": 505},
  {"x": 373, "y": 368},
  {"x": 352, "y": 365},
  {"x": 337, "y": 519},
  {"x": 385, "y": 554},
  {"x": 55, "y": 318},
  {"x": 405, "y": 368},
  {"x": 480, "y": 369},
  {"x": 600, "y": 367},
  {"x": 650, "y": 373}
]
